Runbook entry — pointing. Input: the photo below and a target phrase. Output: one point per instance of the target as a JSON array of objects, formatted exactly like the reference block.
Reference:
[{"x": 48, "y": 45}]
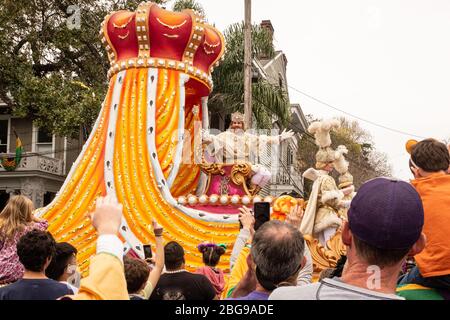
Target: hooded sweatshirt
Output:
[{"x": 215, "y": 276}]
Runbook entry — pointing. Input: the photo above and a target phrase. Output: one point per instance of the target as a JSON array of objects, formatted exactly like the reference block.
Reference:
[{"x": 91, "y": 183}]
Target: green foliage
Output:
[
  {"x": 57, "y": 75},
  {"x": 52, "y": 73},
  {"x": 181, "y": 5},
  {"x": 228, "y": 93}
]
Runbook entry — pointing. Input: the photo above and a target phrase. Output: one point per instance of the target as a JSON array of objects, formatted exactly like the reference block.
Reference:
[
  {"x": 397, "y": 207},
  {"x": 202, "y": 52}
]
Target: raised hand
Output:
[
  {"x": 246, "y": 218},
  {"x": 206, "y": 138},
  {"x": 295, "y": 216},
  {"x": 107, "y": 216},
  {"x": 157, "y": 229},
  {"x": 349, "y": 190},
  {"x": 286, "y": 135}
]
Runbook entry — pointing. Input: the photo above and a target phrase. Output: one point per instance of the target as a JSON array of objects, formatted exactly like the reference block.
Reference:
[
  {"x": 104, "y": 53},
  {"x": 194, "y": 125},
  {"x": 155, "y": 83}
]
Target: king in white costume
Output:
[{"x": 235, "y": 145}]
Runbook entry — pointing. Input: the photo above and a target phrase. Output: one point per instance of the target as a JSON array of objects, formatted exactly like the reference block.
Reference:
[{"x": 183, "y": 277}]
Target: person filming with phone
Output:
[
  {"x": 143, "y": 276},
  {"x": 276, "y": 254}
]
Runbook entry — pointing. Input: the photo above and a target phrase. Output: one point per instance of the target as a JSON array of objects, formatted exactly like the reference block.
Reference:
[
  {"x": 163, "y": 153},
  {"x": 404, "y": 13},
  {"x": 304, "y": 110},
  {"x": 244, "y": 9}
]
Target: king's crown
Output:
[{"x": 154, "y": 37}]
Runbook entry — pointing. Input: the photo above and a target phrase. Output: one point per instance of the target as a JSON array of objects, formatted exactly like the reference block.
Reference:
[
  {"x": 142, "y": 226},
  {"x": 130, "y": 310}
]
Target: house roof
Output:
[
  {"x": 260, "y": 67},
  {"x": 267, "y": 62},
  {"x": 299, "y": 122}
]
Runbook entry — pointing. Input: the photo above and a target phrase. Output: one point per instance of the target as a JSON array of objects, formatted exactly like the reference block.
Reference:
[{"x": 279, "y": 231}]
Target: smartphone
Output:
[
  {"x": 262, "y": 213},
  {"x": 147, "y": 251}
]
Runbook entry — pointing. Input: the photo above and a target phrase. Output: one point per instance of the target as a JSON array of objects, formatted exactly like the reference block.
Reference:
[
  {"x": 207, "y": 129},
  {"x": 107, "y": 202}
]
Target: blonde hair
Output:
[{"x": 17, "y": 214}]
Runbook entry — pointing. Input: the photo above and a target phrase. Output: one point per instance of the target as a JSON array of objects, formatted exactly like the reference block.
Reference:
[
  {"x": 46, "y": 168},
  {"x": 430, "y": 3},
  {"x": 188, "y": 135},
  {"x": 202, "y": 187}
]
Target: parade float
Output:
[{"x": 146, "y": 146}]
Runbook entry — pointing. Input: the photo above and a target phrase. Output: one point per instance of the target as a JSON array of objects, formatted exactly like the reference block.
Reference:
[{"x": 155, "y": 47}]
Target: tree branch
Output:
[
  {"x": 19, "y": 46},
  {"x": 41, "y": 69}
]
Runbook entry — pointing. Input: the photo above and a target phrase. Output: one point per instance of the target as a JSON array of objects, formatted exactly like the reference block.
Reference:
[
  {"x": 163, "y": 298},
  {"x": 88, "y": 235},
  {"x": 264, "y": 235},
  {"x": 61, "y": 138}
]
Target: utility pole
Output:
[{"x": 248, "y": 64}]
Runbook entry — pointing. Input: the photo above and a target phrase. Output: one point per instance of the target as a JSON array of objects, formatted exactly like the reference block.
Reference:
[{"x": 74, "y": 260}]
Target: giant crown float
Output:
[{"x": 142, "y": 148}]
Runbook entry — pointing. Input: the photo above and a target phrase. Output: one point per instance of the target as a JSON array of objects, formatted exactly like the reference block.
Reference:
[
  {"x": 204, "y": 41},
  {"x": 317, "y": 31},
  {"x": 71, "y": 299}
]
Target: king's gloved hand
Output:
[
  {"x": 286, "y": 135},
  {"x": 206, "y": 136}
]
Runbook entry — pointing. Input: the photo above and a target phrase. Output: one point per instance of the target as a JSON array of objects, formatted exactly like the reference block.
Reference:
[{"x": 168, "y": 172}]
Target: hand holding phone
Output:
[
  {"x": 147, "y": 252},
  {"x": 246, "y": 219}
]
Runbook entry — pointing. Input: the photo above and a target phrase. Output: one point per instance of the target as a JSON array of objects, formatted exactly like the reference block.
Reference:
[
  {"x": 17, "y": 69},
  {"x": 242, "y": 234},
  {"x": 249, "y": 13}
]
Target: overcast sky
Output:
[{"x": 387, "y": 61}]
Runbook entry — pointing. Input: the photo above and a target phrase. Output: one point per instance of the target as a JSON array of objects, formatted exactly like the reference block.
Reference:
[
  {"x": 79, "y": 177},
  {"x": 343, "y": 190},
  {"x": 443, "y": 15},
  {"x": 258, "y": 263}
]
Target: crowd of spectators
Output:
[{"x": 396, "y": 238}]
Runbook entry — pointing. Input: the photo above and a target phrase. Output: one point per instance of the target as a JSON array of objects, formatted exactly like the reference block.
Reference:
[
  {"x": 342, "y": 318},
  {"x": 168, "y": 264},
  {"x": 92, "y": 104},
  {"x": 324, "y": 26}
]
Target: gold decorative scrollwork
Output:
[
  {"x": 212, "y": 168},
  {"x": 253, "y": 190},
  {"x": 336, "y": 245},
  {"x": 240, "y": 172},
  {"x": 240, "y": 175},
  {"x": 325, "y": 257}
]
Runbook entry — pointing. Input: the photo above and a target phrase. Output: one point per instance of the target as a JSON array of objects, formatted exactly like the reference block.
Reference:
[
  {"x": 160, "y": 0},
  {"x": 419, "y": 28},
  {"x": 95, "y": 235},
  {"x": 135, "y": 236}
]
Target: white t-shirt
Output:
[{"x": 329, "y": 289}]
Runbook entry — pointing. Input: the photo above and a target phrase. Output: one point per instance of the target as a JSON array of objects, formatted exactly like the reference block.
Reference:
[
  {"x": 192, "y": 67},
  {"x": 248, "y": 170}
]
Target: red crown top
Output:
[{"x": 154, "y": 37}]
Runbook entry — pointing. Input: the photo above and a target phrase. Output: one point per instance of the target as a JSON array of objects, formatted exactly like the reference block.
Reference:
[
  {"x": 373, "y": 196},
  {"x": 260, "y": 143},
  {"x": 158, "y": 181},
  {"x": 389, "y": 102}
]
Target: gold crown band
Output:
[{"x": 162, "y": 63}]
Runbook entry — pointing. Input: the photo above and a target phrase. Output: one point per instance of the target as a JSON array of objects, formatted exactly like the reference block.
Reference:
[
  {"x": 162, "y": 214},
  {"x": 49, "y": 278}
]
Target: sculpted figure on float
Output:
[
  {"x": 321, "y": 218},
  {"x": 141, "y": 149},
  {"x": 345, "y": 178}
]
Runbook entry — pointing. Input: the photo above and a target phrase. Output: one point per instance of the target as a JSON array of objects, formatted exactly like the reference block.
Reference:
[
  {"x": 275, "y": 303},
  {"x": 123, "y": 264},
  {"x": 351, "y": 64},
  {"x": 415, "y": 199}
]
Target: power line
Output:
[
  {"x": 351, "y": 160},
  {"x": 312, "y": 139},
  {"x": 355, "y": 116},
  {"x": 343, "y": 111}
]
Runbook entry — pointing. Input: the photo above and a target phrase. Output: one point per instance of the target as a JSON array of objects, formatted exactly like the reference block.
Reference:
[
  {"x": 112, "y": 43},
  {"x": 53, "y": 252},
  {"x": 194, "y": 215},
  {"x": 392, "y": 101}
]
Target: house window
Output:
[
  {"x": 4, "y": 197},
  {"x": 280, "y": 80},
  {"x": 215, "y": 121},
  {"x": 290, "y": 157},
  {"x": 4, "y": 131},
  {"x": 48, "y": 197},
  {"x": 44, "y": 142}
]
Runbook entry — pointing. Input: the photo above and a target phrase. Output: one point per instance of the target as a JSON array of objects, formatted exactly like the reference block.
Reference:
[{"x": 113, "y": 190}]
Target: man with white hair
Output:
[{"x": 235, "y": 145}]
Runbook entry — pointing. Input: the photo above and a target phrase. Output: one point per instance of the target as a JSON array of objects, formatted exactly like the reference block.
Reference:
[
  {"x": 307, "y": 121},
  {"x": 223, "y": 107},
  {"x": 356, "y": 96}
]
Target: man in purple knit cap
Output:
[{"x": 384, "y": 227}]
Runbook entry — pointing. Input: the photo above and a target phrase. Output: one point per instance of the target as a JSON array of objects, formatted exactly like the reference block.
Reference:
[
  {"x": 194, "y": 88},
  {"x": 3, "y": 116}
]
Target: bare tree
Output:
[{"x": 365, "y": 161}]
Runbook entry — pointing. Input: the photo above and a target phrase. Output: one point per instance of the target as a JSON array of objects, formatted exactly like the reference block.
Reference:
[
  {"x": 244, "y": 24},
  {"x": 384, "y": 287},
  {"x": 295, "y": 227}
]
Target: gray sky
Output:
[{"x": 387, "y": 61}]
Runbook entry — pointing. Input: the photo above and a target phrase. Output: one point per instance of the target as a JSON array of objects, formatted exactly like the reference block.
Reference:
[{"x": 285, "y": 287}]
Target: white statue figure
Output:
[
  {"x": 321, "y": 219},
  {"x": 345, "y": 180},
  {"x": 235, "y": 145}
]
